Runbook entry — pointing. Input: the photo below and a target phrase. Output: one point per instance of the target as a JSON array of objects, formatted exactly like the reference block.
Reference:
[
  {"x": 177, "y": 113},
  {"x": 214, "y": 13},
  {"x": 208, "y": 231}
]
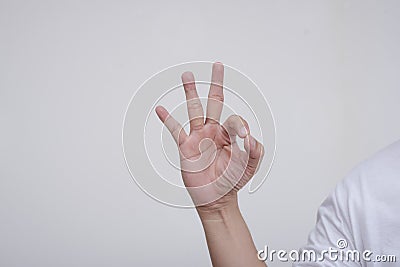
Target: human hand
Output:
[{"x": 213, "y": 166}]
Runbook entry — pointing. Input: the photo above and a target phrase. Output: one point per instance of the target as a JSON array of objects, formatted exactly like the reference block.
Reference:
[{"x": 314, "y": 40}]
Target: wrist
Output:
[{"x": 219, "y": 210}]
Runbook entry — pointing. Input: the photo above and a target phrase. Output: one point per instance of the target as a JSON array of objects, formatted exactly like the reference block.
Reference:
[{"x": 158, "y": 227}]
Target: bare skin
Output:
[{"x": 214, "y": 169}]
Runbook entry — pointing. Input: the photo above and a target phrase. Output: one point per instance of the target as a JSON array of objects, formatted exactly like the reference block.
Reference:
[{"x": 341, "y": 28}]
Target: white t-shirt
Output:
[{"x": 361, "y": 217}]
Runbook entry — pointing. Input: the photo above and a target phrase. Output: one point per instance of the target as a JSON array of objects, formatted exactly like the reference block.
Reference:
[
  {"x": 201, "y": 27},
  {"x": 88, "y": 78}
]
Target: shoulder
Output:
[{"x": 376, "y": 177}]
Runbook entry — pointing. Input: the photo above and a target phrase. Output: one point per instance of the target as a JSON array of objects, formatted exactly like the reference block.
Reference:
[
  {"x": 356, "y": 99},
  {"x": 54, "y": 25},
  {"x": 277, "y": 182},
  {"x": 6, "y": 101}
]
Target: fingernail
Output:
[{"x": 243, "y": 131}]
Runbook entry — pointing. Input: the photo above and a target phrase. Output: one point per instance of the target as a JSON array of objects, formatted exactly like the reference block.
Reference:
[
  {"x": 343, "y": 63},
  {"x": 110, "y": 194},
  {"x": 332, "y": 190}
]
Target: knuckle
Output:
[
  {"x": 243, "y": 121},
  {"x": 231, "y": 117},
  {"x": 194, "y": 105},
  {"x": 217, "y": 97},
  {"x": 189, "y": 86},
  {"x": 238, "y": 120},
  {"x": 259, "y": 152},
  {"x": 231, "y": 120},
  {"x": 175, "y": 129},
  {"x": 195, "y": 126}
]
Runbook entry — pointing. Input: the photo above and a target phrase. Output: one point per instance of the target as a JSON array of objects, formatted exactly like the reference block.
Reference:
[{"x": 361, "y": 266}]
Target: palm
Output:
[
  {"x": 210, "y": 160},
  {"x": 212, "y": 164}
]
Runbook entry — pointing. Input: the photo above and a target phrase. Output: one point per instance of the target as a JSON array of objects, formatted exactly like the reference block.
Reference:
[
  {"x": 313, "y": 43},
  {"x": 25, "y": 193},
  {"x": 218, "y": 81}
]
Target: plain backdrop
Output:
[{"x": 330, "y": 70}]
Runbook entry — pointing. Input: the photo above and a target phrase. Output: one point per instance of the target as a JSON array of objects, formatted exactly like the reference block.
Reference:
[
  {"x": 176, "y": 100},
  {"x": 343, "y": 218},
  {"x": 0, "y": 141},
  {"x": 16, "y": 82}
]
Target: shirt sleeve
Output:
[{"x": 334, "y": 229}]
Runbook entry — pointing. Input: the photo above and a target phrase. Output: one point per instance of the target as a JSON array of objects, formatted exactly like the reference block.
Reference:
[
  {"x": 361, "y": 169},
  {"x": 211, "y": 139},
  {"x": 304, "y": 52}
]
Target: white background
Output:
[{"x": 330, "y": 70}]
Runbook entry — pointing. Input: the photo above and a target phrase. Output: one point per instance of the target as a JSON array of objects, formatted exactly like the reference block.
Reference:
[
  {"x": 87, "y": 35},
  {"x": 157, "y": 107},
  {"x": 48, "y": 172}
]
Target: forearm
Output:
[{"x": 228, "y": 238}]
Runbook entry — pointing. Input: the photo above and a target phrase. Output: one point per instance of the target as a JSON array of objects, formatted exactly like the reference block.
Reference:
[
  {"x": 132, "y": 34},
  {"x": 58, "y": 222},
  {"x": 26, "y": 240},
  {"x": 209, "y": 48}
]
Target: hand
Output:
[{"x": 213, "y": 166}]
